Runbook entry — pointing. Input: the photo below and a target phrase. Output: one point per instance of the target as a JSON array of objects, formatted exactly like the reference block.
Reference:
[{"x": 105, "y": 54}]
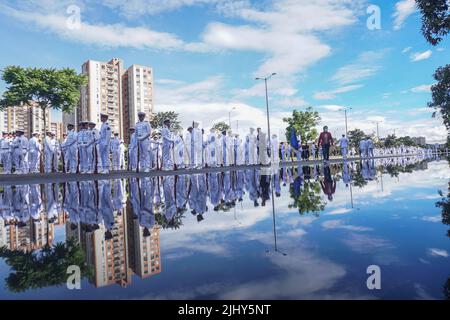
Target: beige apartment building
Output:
[
  {"x": 102, "y": 94},
  {"x": 111, "y": 89},
  {"x": 27, "y": 118},
  {"x": 137, "y": 95}
]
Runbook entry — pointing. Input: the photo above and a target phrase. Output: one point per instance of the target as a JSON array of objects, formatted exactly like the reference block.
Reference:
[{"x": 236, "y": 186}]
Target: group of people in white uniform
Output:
[{"x": 89, "y": 150}]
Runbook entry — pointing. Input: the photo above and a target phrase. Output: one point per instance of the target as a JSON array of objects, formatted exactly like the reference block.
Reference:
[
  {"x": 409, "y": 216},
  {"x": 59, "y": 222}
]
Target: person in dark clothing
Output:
[{"x": 326, "y": 141}]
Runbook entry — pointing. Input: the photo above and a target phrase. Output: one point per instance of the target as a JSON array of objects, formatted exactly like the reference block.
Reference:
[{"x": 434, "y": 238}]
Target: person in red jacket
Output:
[{"x": 325, "y": 140}]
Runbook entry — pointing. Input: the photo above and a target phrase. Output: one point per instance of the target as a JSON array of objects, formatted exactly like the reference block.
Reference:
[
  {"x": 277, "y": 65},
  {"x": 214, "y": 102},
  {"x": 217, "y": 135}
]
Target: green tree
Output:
[
  {"x": 390, "y": 141},
  {"x": 305, "y": 123},
  {"x": 435, "y": 19},
  {"x": 221, "y": 126},
  {"x": 440, "y": 93},
  {"x": 157, "y": 120},
  {"x": 45, "y": 268},
  {"x": 436, "y": 25},
  {"x": 48, "y": 88},
  {"x": 355, "y": 136}
]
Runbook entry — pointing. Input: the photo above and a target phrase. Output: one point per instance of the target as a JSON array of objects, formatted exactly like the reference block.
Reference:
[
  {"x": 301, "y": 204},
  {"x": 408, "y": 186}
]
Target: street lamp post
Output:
[
  {"x": 229, "y": 116},
  {"x": 346, "y": 122},
  {"x": 267, "y": 107}
]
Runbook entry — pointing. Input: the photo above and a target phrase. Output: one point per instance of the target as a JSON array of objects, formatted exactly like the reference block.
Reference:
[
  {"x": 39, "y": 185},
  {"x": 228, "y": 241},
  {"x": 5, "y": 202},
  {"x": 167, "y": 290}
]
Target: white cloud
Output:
[
  {"x": 332, "y": 108},
  {"x": 406, "y": 50},
  {"x": 103, "y": 35},
  {"x": 419, "y": 56},
  {"x": 328, "y": 95},
  {"x": 438, "y": 252},
  {"x": 365, "y": 66},
  {"x": 422, "y": 88},
  {"x": 403, "y": 9}
]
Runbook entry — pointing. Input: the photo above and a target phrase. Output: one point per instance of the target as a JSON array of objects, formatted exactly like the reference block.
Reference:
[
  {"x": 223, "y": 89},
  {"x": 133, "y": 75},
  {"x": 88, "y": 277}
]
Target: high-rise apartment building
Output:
[
  {"x": 102, "y": 94},
  {"x": 57, "y": 128},
  {"x": 27, "y": 118},
  {"x": 137, "y": 95}
]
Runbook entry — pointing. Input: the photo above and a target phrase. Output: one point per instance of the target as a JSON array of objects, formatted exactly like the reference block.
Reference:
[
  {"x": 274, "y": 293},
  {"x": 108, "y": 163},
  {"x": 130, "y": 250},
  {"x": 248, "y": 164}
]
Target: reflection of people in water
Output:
[
  {"x": 277, "y": 183},
  {"x": 119, "y": 198},
  {"x": 134, "y": 196},
  {"x": 72, "y": 204},
  {"x": 346, "y": 176},
  {"x": 214, "y": 190},
  {"x": 35, "y": 202},
  {"x": 6, "y": 203},
  {"x": 181, "y": 191},
  {"x": 170, "y": 208},
  {"x": 146, "y": 212},
  {"x": 328, "y": 184},
  {"x": 105, "y": 206},
  {"x": 251, "y": 182},
  {"x": 20, "y": 205},
  {"x": 297, "y": 185},
  {"x": 264, "y": 185},
  {"x": 88, "y": 206}
]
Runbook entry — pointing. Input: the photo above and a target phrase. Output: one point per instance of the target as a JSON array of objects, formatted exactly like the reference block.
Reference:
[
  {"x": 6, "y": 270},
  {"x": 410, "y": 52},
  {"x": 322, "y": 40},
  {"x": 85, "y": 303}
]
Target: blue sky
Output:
[{"x": 206, "y": 54}]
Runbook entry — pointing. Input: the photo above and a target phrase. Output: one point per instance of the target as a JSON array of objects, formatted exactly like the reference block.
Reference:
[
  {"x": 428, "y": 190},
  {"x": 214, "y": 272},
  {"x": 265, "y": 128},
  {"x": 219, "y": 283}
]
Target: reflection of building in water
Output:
[
  {"x": 144, "y": 252},
  {"x": 33, "y": 236},
  {"x": 108, "y": 257}
]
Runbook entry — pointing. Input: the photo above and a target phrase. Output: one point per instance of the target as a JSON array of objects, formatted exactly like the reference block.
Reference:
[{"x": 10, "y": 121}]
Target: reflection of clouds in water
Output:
[
  {"x": 339, "y": 211},
  {"x": 363, "y": 243},
  {"x": 339, "y": 224},
  {"x": 432, "y": 218},
  {"x": 434, "y": 252},
  {"x": 421, "y": 293},
  {"x": 299, "y": 281}
]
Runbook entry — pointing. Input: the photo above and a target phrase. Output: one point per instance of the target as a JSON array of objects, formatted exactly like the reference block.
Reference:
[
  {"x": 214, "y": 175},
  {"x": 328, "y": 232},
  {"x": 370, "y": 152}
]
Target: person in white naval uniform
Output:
[
  {"x": 167, "y": 146},
  {"x": 251, "y": 155},
  {"x": 103, "y": 145},
  {"x": 275, "y": 152},
  {"x": 71, "y": 150},
  {"x": 179, "y": 151},
  {"x": 343, "y": 143},
  {"x": 20, "y": 152},
  {"x": 83, "y": 140},
  {"x": 115, "y": 151},
  {"x": 211, "y": 149},
  {"x": 363, "y": 148},
  {"x": 5, "y": 153},
  {"x": 34, "y": 153},
  {"x": 370, "y": 147},
  {"x": 92, "y": 148},
  {"x": 50, "y": 150},
  {"x": 132, "y": 151},
  {"x": 197, "y": 145},
  {"x": 143, "y": 133}
]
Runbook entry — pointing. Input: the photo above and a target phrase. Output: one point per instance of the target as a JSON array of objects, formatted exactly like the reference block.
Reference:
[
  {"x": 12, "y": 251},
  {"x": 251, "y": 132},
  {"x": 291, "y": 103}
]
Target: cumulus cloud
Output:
[
  {"x": 403, "y": 9},
  {"x": 419, "y": 56}
]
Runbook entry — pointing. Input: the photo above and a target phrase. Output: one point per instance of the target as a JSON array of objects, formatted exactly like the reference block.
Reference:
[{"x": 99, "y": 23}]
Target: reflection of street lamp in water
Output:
[{"x": 274, "y": 225}]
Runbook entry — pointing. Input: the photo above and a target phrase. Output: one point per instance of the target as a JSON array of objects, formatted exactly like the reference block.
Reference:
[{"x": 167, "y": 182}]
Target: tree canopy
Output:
[
  {"x": 441, "y": 94},
  {"x": 157, "y": 120},
  {"x": 305, "y": 123},
  {"x": 435, "y": 19},
  {"x": 221, "y": 126},
  {"x": 45, "y": 268},
  {"x": 355, "y": 136}
]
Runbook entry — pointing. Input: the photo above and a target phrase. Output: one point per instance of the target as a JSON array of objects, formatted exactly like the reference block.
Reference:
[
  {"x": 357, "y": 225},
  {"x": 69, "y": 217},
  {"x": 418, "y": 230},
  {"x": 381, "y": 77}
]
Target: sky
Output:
[{"x": 206, "y": 54}]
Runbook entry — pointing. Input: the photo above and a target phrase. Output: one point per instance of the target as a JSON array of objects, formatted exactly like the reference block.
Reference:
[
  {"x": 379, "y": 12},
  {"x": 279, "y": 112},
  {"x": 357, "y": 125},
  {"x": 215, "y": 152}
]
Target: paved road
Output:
[{"x": 40, "y": 178}]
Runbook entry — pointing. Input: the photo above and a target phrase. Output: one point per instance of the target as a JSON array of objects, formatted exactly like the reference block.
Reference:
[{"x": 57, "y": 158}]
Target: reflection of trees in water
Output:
[
  {"x": 175, "y": 223},
  {"x": 308, "y": 200},
  {"x": 358, "y": 178},
  {"x": 447, "y": 289},
  {"x": 48, "y": 267},
  {"x": 444, "y": 204}
]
